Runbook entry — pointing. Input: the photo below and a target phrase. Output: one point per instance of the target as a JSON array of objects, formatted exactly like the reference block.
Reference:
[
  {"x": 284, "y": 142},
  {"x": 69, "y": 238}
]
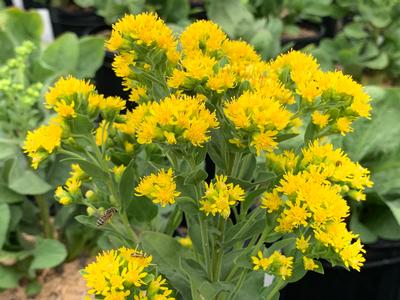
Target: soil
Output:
[{"x": 62, "y": 283}]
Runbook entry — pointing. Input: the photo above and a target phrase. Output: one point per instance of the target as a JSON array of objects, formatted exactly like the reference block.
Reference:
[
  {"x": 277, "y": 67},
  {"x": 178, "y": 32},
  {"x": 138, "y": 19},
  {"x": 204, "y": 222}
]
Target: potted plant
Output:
[{"x": 141, "y": 172}]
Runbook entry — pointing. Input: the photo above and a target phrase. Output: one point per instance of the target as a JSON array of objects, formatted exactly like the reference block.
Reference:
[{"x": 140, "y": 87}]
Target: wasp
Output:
[{"x": 106, "y": 216}]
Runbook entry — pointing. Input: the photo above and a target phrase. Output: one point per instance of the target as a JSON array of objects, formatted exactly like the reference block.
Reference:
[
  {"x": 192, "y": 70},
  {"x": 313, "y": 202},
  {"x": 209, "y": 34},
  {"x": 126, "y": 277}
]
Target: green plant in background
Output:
[
  {"x": 368, "y": 44},
  {"x": 27, "y": 230},
  {"x": 172, "y": 11},
  {"x": 379, "y": 216},
  {"x": 271, "y": 206}
]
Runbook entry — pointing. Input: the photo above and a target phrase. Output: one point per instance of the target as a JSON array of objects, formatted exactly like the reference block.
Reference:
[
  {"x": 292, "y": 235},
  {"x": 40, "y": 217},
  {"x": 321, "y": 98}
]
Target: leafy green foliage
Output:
[
  {"x": 376, "y": 144},
  {"x": 368, "y": 43}
]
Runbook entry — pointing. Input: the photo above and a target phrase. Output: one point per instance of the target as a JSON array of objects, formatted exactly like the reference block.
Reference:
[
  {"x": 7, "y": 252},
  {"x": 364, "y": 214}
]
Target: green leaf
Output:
[
  {"x": 195, "y": 177},
  {"x": 366, "y": 235},
  {"x": 127, "y": 184},
  {"x": 28, "y": 183},
  {"x": 142, "y": 209},
  {"x": 21, "y": 25},
  {"x": 368, "y": 138},
  {"x": 355, "y": 31},
  {"x": 378, "y": 63},
  {"x": 9, "y": 196},
  {"x": 379, "y": 219},
  {"x": 62, "y": 55},
  {"x": 253, "y": 225},
  {"x": 228, "y": 14},
  {"x": 4, "y": 222},
  {"x": 167, "y": 254},
  {"x": 91, "y": 56},
  {"x": 47, "y": 254},
  {"x": 7, "y": 150},
  {"x": 188, "y": 205},
  {"x": 9, "y": 277},
  {"x": 33, "y": 288},
  {"x": 90, "y": 169}
]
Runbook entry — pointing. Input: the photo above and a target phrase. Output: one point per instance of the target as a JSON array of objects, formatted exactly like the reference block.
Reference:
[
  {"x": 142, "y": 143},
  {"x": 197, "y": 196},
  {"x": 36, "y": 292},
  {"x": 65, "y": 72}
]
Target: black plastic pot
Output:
[
  {"x": 300, "y": 42},
  {"x": 107, "y": 83},
  {"x": 379, "y": 279},
  {"x": 77, "y": 21}
]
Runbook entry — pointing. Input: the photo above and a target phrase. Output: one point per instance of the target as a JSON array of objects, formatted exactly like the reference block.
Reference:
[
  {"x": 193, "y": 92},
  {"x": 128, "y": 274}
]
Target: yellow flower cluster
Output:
[
  {"x": 276, "y": 264},
  {"x": 160, "y": 187},
  {"x": 310, "y": 195},
  {"x": 338, "y": 98},
  {"x": 220, "y": 196},
  {"x": 175, "y": 119},
  {"x": 136, "y": 38},
  {"x": 258, "y": 118},
  {"x": 213, "y": 61},
  {"x": 309, "y": 200},
  {"x": 117, "y": 274},
  {"x": 71, "y": 192},
  {"x": 68, "y": 97},
  {"x": 42, "y": 141}
]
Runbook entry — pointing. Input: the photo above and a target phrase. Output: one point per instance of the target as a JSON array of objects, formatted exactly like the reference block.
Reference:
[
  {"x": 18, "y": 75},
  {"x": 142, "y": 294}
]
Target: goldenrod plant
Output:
[{"x": 278, "y": 201}]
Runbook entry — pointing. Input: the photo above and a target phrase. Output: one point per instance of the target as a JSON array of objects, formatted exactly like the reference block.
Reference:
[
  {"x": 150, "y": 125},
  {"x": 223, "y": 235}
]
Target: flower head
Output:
[
  {"x": 160, "y": 187},
  {"x": 220, "y": 196}
]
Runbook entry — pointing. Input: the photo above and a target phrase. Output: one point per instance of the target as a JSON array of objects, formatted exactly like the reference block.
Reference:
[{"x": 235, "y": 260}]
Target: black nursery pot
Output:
[
  {"x": 106, "y": 81},
  {"x": 76, "y": 20},
  {"x": 379, "y": 279},
  {"x": 298, "y": 43}
]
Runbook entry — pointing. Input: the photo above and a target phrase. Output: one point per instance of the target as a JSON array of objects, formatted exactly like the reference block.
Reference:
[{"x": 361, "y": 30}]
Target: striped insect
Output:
[{"x": 108, "y": 214}]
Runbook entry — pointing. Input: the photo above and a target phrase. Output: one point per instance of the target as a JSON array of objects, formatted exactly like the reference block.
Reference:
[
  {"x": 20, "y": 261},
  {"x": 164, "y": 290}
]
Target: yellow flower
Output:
[
  {"x": 102, "y": 132},
  {"x": 320, "y": 119},
  {"x": 41, "y": 142},
  {"x": 66, "y": 87},
  {"x": 343, "y": 125},
  {"x": 283, "y": 162},
  {"x": 277, "y": 264},
  {"x": 263, "y": 117},
  {"x": 221, "y": 81},
  {"x": 352, "y": 255},
  {"x": 303, "y": 243},
  {"x": 264, "y": 141},
  {"x": 144, "y": 28},
  {"x": 118, "y": 171},
  {"x": 175, "y": 119},
  {"x": 185, "y": 241},
  {"x": 121, "y": 64},
  {"x": 220, "y": 196},
  {"x": 202, "y": 37},
  {"x": 137, "y": 93},
  {"x": 309, "y": 264},
  {"x": 115, "y": 272},
  {"x": 64, "y": 110},
  {"x": 160, "y": 188},
  {"x": 271, "y": 201},
  {"x": 344, "y": 84},
  {"x": 292, "y": 217},
  {"x": 112, "y": 103}
]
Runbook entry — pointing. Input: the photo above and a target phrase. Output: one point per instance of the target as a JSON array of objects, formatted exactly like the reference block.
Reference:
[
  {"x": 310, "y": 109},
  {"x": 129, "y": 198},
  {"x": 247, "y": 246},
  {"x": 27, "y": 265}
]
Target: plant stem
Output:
[
  {"x": 128, "y": 227},
  {"x": 239, "y": 284},
  {"x": 281, "y": 283},
  {"x": 205, "y": 245},
  {"x": 170, "y": 228},
  {"x": 219, "y": 249},
  {"x": 48, "y": 229}
]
